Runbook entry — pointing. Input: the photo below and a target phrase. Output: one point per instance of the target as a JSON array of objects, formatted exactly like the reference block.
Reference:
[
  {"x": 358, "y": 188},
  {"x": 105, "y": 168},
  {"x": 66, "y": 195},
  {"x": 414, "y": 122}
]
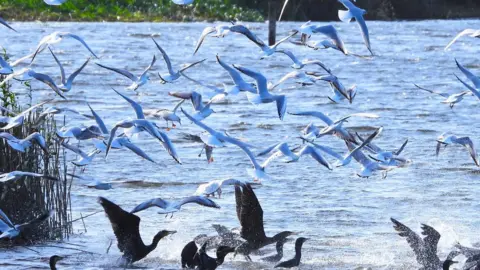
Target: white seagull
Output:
[
  {"x": 451, "y": 100},
  {"x": 136, "y": 81},
  {"x": 340, "y": 92},
  {"x": 368, "y": 166},
  {"x": 66, "y": 84},
  {"x": 168, "y": 115},
  {"x": 475, "y": 33},
  {"x": 15, "y": 175},
  {"x": 300, "y": 76},
  {"x": 356, "y": 13},
  {"x": 297, "y": 64},
  {"x": 26, "y": 74},
  {"x": 215, "y": 186},
  {"x": 384, "y": 156},
  {"x": 201, "y": 111},
  {"x": 11, "y": 231},
  {"x": 93, "y": 183},
  {"x": 84, "y": 159},
  {"x": 267, "y": 50},
  {"x": 55, "y": 38},
  {"x": 22, "y": 144},
  {"x": 80, "y": 133},
  {"x": 218, "y": 138},
  {"x": 172, "y": 75},
  {"x": 448, "y": 138},
  {"x": 240, "y": 84},
  {"x": 335, "y": 42},
  {"x": 283, "y": 149},
  {"x": 220, "y": 31},
  {"x": 263, "y": 95},
  {"x": 17, "y": 120},
  {"x": 335, "y": 128},
  {"x": 174, "y": 206},
  {"x": 5, "y": 68}
]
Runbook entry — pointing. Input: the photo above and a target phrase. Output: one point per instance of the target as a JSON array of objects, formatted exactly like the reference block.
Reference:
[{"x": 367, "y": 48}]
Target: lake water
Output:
[{"x": 347, "y": 218}]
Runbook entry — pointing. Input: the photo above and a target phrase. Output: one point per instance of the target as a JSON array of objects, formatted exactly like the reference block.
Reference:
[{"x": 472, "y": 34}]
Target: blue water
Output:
[{"x": 347, "y": 218}]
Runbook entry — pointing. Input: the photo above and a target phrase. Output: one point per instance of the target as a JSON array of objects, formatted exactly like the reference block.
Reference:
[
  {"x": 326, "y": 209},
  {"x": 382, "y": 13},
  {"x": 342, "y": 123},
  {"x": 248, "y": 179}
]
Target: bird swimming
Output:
[
  {"x": 295, "y": 261},
  {"x": 170, "y": 207},
  {"x": 126, "y": 227}
]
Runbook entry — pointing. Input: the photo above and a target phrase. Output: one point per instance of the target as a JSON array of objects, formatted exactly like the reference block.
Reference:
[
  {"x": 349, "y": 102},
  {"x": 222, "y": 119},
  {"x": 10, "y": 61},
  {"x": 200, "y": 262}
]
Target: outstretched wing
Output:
[
  {"x": 251, "y": 216},
  {"x": 413, "y": 239}
]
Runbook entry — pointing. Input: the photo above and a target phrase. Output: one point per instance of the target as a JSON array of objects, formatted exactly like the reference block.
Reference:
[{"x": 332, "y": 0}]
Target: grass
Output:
[{"x": 127, "y": 10}]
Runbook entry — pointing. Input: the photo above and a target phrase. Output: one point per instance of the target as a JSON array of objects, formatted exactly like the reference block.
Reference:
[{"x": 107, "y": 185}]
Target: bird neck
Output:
[
  {"x": 54, "y": 267},
  {"x": 280, "y": 249},
  {"x": 446, "y": 264},
  {"x": 154, "y": 243},
  {"x": 298, "y": 252}
]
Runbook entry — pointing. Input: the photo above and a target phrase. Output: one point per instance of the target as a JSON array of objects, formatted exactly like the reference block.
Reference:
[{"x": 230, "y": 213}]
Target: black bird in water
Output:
[
  {"x": 295, "y": 261},
  {"x": 277, "y": 257},
  {"x": 425, "y": 249},
  {"x": 126, "y": 228},
  {"x": 53, "y": 261},
  {"x": 192, "y": 256},
  {"x": 250, "y": 215}
]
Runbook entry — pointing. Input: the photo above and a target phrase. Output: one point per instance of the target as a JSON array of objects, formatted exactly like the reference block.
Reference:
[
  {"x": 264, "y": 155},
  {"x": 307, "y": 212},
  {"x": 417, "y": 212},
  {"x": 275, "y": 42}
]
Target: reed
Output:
[{"x": 24, "y": 199}]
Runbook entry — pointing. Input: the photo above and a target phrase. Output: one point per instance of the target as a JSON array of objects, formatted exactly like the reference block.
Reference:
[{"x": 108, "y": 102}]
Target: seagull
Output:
[
  {"x": 151, "y": 129},
  {"x": 80, "y": 133},
  {"x": 54, "y": 2},
  {"x": 12, "y": 122},
  {"x": 217, "y": 138},
  {"x": 470, "y": 32},
  {"x": 66, "y": 84},
  {"x": 297, "y": 64},
  {"x": 11, "y": 231},
  {"x": 94, "y": 183},
  {"x": 307, "y": 29},
  {"x": 172, "y": 75},
  {"x": 209, "y": 189},
  {"x": 201, "y": 111},
  {"x": 5, "y": 68},
  {"x": 474, "y": 79},
  {"x": 425, "y": 249},
  {"x": 335, "y": 128},
  {"x": 263, "y": 96},
  {"x": 174, "y": 206},
  {"x": 267, "y": 50},
  {"x": 301, "y": 77},
  {"x": 168, "y": 115},
  {"x": 136, "y": 81},
  {"x": 55, "y": 38},
  {"x": 368, "y": 166},
  {"x": 340, "y": 92},
  {"x": 22, "y": 144},
  {"x": 356, "y": 13},
  {"x": 53, "y": 110},
  {"x": 2, "y": 21},
  {"x": 15, "y": 175},
  {"x": 448, "y": 138},
  {"x": 84, "y": 158},
  {"x": 220, "y": 31},
  {"x": 240, "y": 84},
  {"x": 29, "y": 74},
  {"x": 126, "y": 227},
  {"x": 384, "y": 156},
  {"x": 282, "y": 149},
  {"x": 451, "y": 100}
]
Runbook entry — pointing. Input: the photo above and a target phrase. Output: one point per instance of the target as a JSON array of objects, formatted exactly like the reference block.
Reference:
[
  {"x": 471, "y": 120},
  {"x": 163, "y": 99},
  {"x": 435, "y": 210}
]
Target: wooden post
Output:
[{"x": 272, "y": 21}]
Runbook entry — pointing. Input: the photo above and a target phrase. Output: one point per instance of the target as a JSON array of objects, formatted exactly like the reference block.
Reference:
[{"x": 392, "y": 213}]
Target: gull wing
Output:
[
  {"x": 165, "y": 57},
  {"x": 2, "y": 21},
  {"x": 74, "y": 149},
  {"x": 319, "y": 115},
  {"x": 475, "y": 80},
  {"x": 445, "y": 95},
  {"x": 187, "y": 66},
  {"x": 259, "y": 78},
  {"x": 154, "y": 59},
  {"x": 461, "y": 34},
  {"x": 158, "y": 202},
  {"x": 132, "y": 147},
  {"x": 120, "y": 71},
  {"x": 81, "y": 41},
  {"x": 207, "y": 31},
  {"x": 467, "y": 142},
  {"x": 249, "y": 34},
  {"x": 99, "y": 121},
  {"x": 473, "y": 90},
  {"x": 62, "y": 71},
  {"x": 48, "y": 81},
  {"x": 138, "y": 109},
  {"x": 201, "y": 200},
  {"x": 310, "y": 150},
  {"x": 75, "y": 74}
]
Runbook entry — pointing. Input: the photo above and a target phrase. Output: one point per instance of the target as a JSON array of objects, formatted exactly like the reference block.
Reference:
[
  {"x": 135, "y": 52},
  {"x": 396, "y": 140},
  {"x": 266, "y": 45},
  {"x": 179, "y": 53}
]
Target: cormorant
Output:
[
  {"x": 192, "y": 256},
  {"x": 53, "y": 261},
  {"x": 250, "y": 215},
  {"x": 425, "y": 249},
  {"x": 298, "y": 255},
  {"x": 277, "y": 257},
  {"x": 126, "y": 228}
]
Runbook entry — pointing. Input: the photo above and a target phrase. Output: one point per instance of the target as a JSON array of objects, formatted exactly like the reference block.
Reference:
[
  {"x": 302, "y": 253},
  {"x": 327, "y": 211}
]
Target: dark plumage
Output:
[
  {"x": 277, "y": 257},
  {"x": 425, "y": 249},
  {"x": 53, "y": 261},
  {"x": 295, "y": 261},
  {"x": 250, "y": 215},
  {"x": 192, "y": 257},
  {"x": 126, "y": 228}
]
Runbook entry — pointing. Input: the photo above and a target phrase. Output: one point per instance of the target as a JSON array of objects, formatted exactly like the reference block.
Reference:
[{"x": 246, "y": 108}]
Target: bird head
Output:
[
  {"x": 300, "y": 240},
  {"x": 448, "y": 263},
  {"x": 162, "y": 234},
  {"x": 54, "y": 259}
]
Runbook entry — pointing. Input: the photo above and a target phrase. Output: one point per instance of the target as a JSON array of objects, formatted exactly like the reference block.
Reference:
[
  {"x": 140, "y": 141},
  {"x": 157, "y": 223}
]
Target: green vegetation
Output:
[{"x": 126, "y": 10}]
